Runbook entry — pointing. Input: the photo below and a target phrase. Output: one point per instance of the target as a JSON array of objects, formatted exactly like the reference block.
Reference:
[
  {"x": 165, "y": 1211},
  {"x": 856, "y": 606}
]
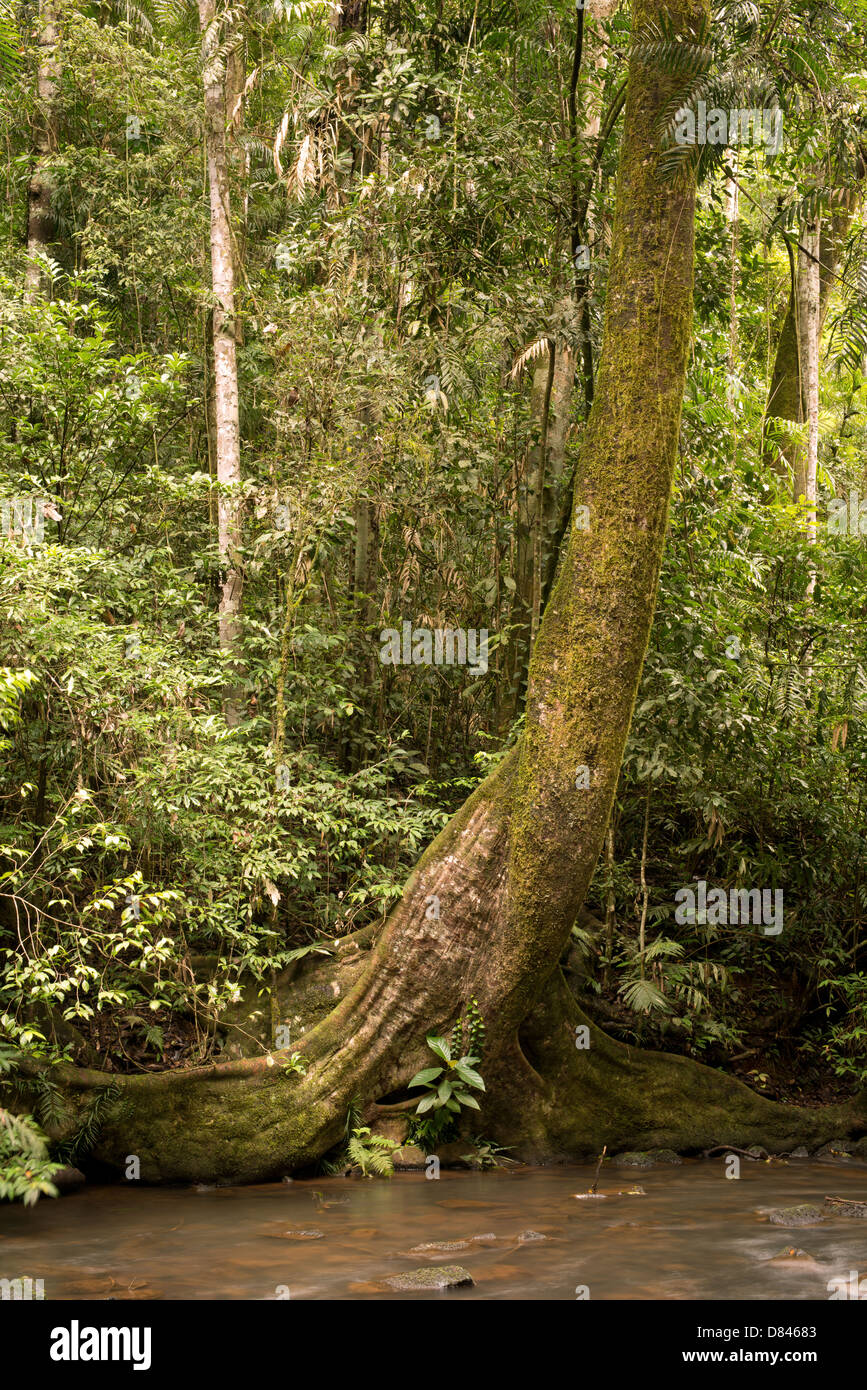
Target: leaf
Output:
[
  {"x": 644, "y": 996},
  {"x": 467, "y": 1074},
  {"x": 440, "y": 1047},
  {"x": 424, "y": 1078},
  {"x": 466, "y": 1099}
]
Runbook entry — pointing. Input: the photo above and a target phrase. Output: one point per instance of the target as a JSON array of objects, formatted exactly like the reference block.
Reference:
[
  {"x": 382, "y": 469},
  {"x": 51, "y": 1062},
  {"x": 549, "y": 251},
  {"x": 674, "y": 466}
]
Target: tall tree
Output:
[
  {"x": 785, "y": 405},
  {"x": 40, "y": 195},
  {"x": 809, "y": 324},
  {"x": 227, "y": 435}
]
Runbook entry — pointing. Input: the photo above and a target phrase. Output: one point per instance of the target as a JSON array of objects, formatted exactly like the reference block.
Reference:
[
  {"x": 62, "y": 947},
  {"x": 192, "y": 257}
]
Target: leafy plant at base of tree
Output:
[
  {"x": 447, "y": 1087},
  {"x": 371, "y": 1154}
]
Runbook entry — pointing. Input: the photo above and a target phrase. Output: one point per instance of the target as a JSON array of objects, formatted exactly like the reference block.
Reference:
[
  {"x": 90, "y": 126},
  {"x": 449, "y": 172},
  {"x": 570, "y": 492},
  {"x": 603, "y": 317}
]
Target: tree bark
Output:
[
  {"x": 543, "y": 501},
  {"x": 782, "y": 450},
  {"x": 809, "y": 320},
  {"x": 226, "y": 420},
  {"x": 40, "y": 198}
]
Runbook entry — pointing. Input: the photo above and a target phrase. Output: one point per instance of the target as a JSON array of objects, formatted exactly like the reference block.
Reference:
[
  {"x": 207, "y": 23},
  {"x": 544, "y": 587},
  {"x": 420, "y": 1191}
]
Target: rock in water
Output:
[
  {"x": 842, "y": 1206},
  {"x": 440, "y": 1247},
  {"x": 439, "y": 1277},
  {"x": 633, "y": 1160},
  {"x": 838, "y": 1151},
  {"x": 803, "y": 1215},
  {"x": 792, "y": 1256},
  {"x": 68, "y": 1180}
]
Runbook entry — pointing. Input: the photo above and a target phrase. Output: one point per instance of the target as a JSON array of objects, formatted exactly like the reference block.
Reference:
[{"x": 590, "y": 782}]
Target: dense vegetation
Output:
[{"x": 180, "y": 813}]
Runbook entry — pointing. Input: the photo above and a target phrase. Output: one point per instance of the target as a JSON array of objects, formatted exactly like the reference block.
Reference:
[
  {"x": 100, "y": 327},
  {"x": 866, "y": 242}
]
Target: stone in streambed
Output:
[
  {"x": 646, "y": 1158},
  {"x": 297, "y": 1235},
  {"x": 409, "y": 1157},
  {"x": 792, "y": 1256},
  {"x": 838, "y": 1151},
  {"x": 637, "y": 1159},
  {"x": 427, "y": 1280},
  {"x": 843, "y": 1206},
  {"x": 805, "y": 1214},
  {"x": 440, "y": 1247},
  {"x": 68, "y": 1180}
]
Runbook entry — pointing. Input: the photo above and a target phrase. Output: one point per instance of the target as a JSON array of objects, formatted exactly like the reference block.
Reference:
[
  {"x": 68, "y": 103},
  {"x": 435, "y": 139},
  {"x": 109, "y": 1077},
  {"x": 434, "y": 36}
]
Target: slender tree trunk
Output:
[
  {"x": 40, "y": 201},
  {"x": 228, "y": 442},
  {"x": 809, "y": 319},
  {"x": 556, "y": 498},
  {"x": 782, "y": 450},
  {"x": 733, "y": 214},
  {"x": 543, "y": 501},
  {"x": 529, "y": 497},
  {"x": 238, "y": 156}
]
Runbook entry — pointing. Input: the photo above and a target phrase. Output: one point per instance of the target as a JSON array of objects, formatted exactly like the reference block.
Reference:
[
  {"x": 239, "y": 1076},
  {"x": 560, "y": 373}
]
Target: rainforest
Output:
[{"x": 433, "y": 647}]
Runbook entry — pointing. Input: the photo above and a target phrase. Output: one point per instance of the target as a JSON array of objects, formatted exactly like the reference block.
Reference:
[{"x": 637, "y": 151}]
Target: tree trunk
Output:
[
  {"x": 809, "y": 311},
  {"x": 782, "y": 450},
  {"x": 228, "y": 442},
  {"x": 555, "y": 493},
  {"x": 40, "y": 202},
  {"x": 733, "y": 214},
  {"x": 509, "y": 873},
  {"x": 543, "y": 501},
  {"x": 525, "y": 610}
]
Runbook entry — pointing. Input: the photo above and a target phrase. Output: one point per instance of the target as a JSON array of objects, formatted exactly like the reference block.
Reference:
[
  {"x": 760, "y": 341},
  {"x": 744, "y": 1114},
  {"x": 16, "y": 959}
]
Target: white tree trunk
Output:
[
  {"x": 809, "y": 317},
  {"x": 228, "y": 441},
  {"x": 733, "y": 215}
]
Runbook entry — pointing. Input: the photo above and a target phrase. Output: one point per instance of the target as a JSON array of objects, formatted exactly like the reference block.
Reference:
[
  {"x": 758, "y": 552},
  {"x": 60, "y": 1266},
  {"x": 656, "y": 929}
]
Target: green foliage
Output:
[
  {"x": 372, "y": 1154},
  {"x": 154, "y": 856},
  {"x": 295, "y": 1065},
  {"x": 485, "y": 1155},
  {"x": 25, "y": 1167},
  {"x": 448, "y": 1088}
]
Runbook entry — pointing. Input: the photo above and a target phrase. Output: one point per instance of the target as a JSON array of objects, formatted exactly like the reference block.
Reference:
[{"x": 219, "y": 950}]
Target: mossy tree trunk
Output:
[{"x": 490, "y": 906}]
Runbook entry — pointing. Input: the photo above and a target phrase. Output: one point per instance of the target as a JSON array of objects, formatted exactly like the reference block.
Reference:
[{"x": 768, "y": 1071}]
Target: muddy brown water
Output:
[{"x": 694, "y": 1235}]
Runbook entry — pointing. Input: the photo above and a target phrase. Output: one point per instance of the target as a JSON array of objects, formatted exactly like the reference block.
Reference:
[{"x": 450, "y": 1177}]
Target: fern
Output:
[
  {"x": 87, "y": 1131},
  {"x": 644, "y": 997},
  {"x": 371, "y": 1153}
]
